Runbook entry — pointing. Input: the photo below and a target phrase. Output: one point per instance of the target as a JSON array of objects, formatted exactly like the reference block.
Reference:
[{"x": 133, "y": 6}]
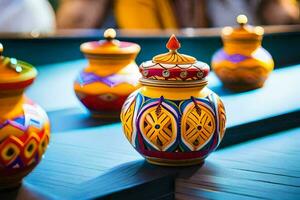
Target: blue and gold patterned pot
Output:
[{"x": 174, "y": 119}]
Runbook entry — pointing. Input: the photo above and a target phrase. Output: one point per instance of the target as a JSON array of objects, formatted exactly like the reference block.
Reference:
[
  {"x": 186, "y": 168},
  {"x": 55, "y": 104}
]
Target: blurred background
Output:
[
  {"x": 50, "y": 16},
  {"x": 51, "y": 31}
]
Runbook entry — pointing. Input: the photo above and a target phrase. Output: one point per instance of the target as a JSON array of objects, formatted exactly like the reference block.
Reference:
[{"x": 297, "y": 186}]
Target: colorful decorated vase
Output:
[
  {"x": 174, "y": 119},
  {"x": 242, "y": 64},
  {"x": 110, "y": 77},
  {"x": 24, "y": 126}
]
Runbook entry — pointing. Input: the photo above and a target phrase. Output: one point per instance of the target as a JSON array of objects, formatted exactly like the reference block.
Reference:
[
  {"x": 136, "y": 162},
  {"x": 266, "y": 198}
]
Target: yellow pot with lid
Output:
[
  {"x": 24, "y": 125},
  {"x": 110, "y": 76},
  {"x": 242, "y": 64},
  {"x": 174, "y": 119}
]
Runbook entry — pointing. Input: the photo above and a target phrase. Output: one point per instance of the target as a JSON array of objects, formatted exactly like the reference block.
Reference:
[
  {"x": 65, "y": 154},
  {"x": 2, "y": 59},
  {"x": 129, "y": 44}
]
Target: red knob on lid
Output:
[{"x": 173, "y": 44}]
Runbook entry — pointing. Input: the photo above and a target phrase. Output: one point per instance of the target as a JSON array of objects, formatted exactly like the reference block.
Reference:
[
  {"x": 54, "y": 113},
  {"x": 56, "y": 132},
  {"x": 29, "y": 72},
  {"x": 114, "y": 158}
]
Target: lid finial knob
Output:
[
  {"x": 110, "y": 34},
  {"x": 242, "y": 20},
  {"x": 173, "y": 56},
  {"x": 173, "y": 44}
]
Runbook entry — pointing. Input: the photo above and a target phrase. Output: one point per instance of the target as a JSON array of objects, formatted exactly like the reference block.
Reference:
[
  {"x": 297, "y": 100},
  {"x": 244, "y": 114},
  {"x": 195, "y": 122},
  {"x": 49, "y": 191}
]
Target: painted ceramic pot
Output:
[
  {"x": 242, "y": 64},
  {"x": 110, "y": 77},
  {"x": 174, "y": 119},
  {"x": 24, "y": 126}
]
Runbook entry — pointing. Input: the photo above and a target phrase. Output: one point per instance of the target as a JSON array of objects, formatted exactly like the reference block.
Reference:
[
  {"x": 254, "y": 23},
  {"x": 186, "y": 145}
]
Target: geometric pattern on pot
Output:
[
  {"x": 113, "y": 80},
  {"x": 128, "y": 116},
  {"x": 219, "y": 109},
  {"x": 157, "y": 123},
  {"x": 195, "y": 119},
  {"x": 198, "y": 124},
  {"x": 222, "y": 119},
  {"x": 21, "y": 150}
]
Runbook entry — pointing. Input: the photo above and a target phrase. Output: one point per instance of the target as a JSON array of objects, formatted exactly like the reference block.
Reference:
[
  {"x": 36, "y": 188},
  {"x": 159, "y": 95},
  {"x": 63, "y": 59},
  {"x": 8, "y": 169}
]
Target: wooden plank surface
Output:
[
  {"x": 53, "y": 90},
  {"x": 267, "y": 168},
  {"x": 91, "y": 158},
  {"x": 79, "y": 165}
]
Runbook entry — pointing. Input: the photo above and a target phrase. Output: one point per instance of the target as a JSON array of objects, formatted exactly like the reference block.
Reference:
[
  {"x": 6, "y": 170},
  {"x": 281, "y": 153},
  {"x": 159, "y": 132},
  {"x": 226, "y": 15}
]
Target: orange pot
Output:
[
  {"x": 242, "y": 64},
  {"x": 110, "y": 76},
  {"x": 24, "y": 126}
]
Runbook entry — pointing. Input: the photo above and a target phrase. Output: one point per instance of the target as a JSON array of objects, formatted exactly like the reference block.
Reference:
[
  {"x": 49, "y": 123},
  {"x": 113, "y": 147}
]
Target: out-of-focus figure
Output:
[
  {"x": 279, "y": 12},
  {"x": 83, "y": 13},
  {"x": 163, "y": 14},
  {"x": 26, "y": 16},
  {"x": 141, "y": 14},
  {"x": 267, "y": 12}
]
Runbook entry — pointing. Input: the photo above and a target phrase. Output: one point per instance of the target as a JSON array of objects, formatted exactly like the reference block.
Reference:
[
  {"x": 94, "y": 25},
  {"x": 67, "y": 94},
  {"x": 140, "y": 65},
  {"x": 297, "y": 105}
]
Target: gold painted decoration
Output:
[
  {"x": 173, "y": 56},
  {"x": 127, "y": 119},
  {"x": 174, "y": 119},
  {"x": 10, "y": 152},
  {"x": 197, "y": 125},
  {"x": 173, "y": 66},
  {"x": 158, "y": 127},
  {"x": 222, "y": 118}
]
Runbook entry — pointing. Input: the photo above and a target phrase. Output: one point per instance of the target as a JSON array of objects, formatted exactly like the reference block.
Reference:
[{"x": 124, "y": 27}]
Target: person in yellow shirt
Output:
[
  {"x": 127, "y": 14},
  {"x": 173, "y": 14},
  {"x": 153, "y": 14}
]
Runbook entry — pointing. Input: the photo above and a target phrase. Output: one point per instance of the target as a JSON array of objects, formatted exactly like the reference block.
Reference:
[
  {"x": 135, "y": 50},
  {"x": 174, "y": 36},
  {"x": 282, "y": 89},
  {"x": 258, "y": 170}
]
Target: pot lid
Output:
[
  {"x": 110, "y": 45},
  {"x": 174, "y": 66},
  {"x": 15, "y": 74},
  {"x": 243, "y": 31}
]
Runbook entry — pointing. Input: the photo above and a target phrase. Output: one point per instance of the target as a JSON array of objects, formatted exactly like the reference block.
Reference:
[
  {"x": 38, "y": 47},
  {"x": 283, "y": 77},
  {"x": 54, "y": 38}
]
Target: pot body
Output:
[
  {"x": 242, "y": 66},
  {"x": 174, "y": 126},
  {"x": 103, "y": 88},
  {"x": 24, "y": 137}
]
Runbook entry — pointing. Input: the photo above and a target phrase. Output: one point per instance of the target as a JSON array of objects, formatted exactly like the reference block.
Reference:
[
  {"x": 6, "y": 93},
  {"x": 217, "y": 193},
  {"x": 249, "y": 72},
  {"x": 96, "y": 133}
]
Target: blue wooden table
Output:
[{"x": 90, "y": 158}]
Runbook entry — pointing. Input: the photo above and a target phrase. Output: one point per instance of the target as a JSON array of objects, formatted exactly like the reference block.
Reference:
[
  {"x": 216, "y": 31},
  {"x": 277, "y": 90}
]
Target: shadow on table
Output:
[
  {"x": 75, "y": 118},
  {"x": 222, "y": 91},
  {"x": 201, "y": 183},
  {"x": 24, "y": 192},
  {"x": 133, "y": 180}
]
